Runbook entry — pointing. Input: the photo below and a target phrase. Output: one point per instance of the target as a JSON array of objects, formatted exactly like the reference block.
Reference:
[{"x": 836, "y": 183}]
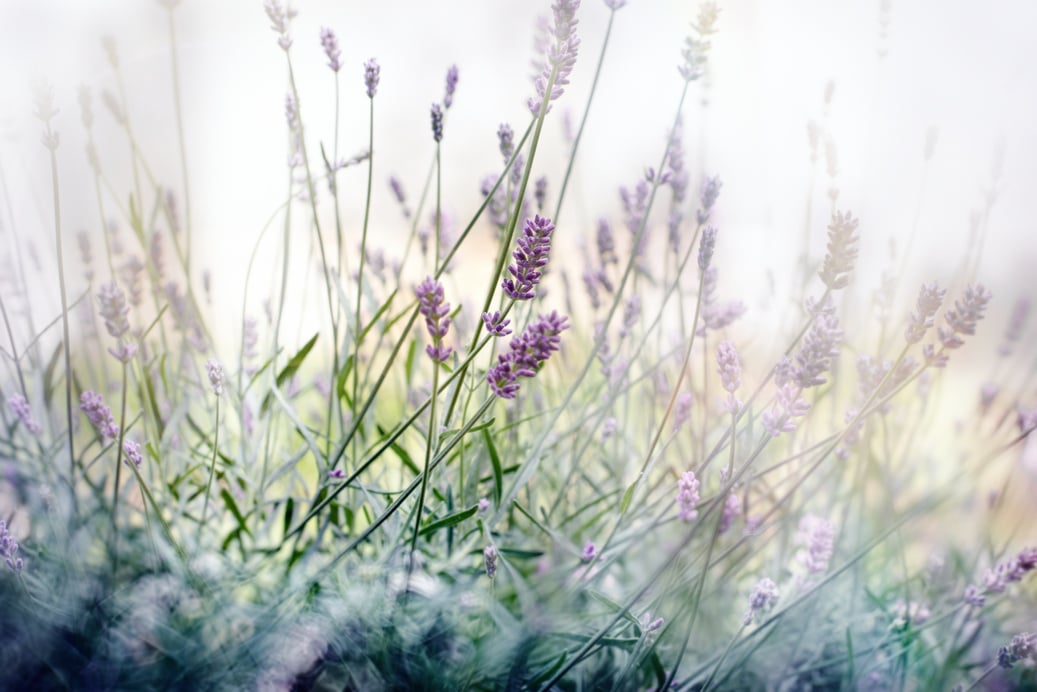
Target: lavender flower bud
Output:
[
  {"x": 682, "y": 410},
  {"x": 561, "y": 57},
  {"x": 279, "y": 20},
  {"x": 133, "y": 455},
  {"x": 100, "y": 416},
  {"x": 506, "y": 141},
  {"x": 329, "y": 42},
  {"x": 820, "y": 346},
  {"x": 215, "y": 371},
  {"x": 930, "y": 297},
  {"x": 372, "y": 73},
  {"x": 436, "y": 114},
  {"x": 1022, "y": 646},
  {"x": 706, "y": 247},
  {"x": 816, "y": 539},
  {"x": 708, "y": 197},
  {"x": 697, "y": 45},
  {"x": 687, "y": 496},
  {"x": 789, "y": 406},
  {"x": 963, "y": 317},
  {"x": 9, "y": 548},
  {"x": 489, "y": 556},
  {"x": 451, "y": 86},
  {"x": 23, "y": 412},
  {"x": 762, "y": 598},
  {"x": 336, "y": 474},
  {"x": 435, "y": 311},
  {"x": 496, "y": 324},
  {"x": 732, "y": 508},
  {"x": 589, "y": 552},
  {"x": 842, "y": 250},
  {"x": 527, "y": 354},
  {"x": 531, "y": 255},
  {"x": 113, "y": 309},
  {"x": 730, "y": 369},
  {"x": 540, "y": 192},
  {"x": 483, "y": 505}
]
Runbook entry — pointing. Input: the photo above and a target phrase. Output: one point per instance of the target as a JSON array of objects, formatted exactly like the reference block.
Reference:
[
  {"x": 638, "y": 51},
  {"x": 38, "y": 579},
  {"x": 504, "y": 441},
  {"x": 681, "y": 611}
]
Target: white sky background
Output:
[{"x": 968, "y": 71}]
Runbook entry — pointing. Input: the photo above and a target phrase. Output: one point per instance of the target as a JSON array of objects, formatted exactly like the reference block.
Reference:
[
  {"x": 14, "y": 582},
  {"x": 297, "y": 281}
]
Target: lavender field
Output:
[{"x": 595, "y": 345}]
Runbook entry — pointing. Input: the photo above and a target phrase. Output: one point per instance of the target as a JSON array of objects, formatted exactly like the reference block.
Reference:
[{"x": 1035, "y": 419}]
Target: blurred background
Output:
[{"x": 912, "y": 115}]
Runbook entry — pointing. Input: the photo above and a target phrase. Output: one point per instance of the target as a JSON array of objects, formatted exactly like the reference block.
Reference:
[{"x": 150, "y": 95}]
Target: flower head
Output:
[
  {"x": 372, "y": 73},
  {"x": 527, "y": 354},
  {"x": 531, "y": 255},
  {"x": 20, "y": 406},
  {"x": 329, "y": 42},
  {"x": 687, "y": 496},
  {"x": 842, "y": 250},
  {"x": 930, "y": 297},
  {"x": 433, "y": 308},
  {"x": 436, "y": 115},
  {"x": 100, "y": 416},
  {"x": 133, "y": 454},
  {"x": 761, "y": 599},
  {"x": 451, "y": 86},
  {"x": 215, "y": 371}
]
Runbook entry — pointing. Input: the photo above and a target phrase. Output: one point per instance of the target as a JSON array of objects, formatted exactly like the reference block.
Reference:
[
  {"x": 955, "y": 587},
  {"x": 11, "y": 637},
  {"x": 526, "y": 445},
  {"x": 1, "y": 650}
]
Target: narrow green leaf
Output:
[
  {"x": 290, "y": 369},
  {"x": 228, "y": 500},
  {"x": 450, "y": 520},
  {"x": 289, "y": 510},
  {"x": 628, "y": 496},
  {"x": 498, "y": 474}
]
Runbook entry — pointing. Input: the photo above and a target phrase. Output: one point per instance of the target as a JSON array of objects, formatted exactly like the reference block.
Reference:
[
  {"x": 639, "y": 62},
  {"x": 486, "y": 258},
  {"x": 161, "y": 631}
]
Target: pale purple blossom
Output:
[
  {"x": 483, "y": 506},
  {"x": 531, "y": 256},
  {"x": 451, "y": 86},
  {"x": 688, "y": 496},
  {"x": 560, "y": 56},
  {"x": 20, "y": 406},
  {"x": 9, "y": 548},
  {"x": 372, "y": 74},
  {"x": 100, "y": 416},
  {"x": 589, "y": 552},
  {"x": 730, "y": 369},
  {"x": 963, "y": 317},
  {"x": 496, "y": 324},
  {"x": 789, "y": 406},
  {"x": 215, "y": 372},
  {"x": 1023, "y": 646},
  {"x": 842, "y": 250},
  {"x": 696, "y": 44},
  {"x": 433, "y": 308},
  {"x": 329, "y": 42},
  {"x": 816, "y": 539},
  {"x": 930, "y": 297},
  {"x": 279, "y": 20},
  {"x": 762, "y": 599},
  {"x": 489, "y": 556},
  {"x": 113, "y": 309},
  {"x": 527, "y": 354},
  {"x": 336, "y": 474},
  {"x": 706, "y": 246},
  {"x": 682, "y": 410},
  {"x": 732, "y": 509},
  {"x": 436, "y": 117},
  {"x": 133, "y": 453}
]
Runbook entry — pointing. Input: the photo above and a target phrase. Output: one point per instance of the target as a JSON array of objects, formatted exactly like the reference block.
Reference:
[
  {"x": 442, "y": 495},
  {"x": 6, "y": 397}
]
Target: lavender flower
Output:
[
  {"x": 589, "y": 551},
  {"x": 707, "y": 198},
  {"x": 682, "y": 410},
  {"x": 816, "y": 539},
  {"x": 336, "y": 474},
  {"x": 789, "y": 406},
  {"x": 540, "y": 192},
  {"x": 561, "y": 56},
  {"x": 483, "y": 505},
  {"x": 133, "y": 454},
  {"x": 1015, "y": 326},
  {"x": 732, "y": 508},
  {"x": 21, "y": 409},
  {"x": 489, "y": 556},
  {"x": 100, "y": 416},
  {"x": 435, "y": 311},
  {"x": 687, "y": 496},
  {"x": 820, "y": 346},
  {"x": 506, "y": 141},
  {"x": 372, "y": 73},
  {"x": 842, "y": 250},
  {"x": 1021, "y": 647},
  {"x": 496, "y": 324},
  {"x": 329, "y": 42},
  {"x": 963, "y": 317},
  {"x": 930, "y": 297},
  {"x": 527, "y": 354},
  {"x": 215, "y": 371},
  {"x": 1010, "y": 571},
  {"x": 279, "y": 20},
  {"x": 761, "y": 599},
  {"x": 697, "y": 45},
  {"x": 706, "y": 247},
  {"x": 113, "y": 309},
  {"x": 436, "y": 115},
  {"x": 730, "y": 369},
  {"x": 451, "y": 86},
  {"x": 531, "y": 255},
  {"x": 606, "y": 244},
  {"x": 973, "y": 596},
  {"x": 9, "y": 548}
]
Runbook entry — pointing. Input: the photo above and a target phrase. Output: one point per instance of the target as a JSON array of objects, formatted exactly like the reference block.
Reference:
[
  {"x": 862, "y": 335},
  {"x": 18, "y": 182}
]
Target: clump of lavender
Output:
[
  {"x": 329, "y": 42},
  {"x": 372, "y": 73},
  {"x": 762, "y": 599},
  {"x": 930, "y": 297},
  {"x": 9, "y": 548},
  {"x": 1023, "y": 646},
  {"x": 730, "y": 369},
  {"x": 688, "y": 496},
  {"x": 100, "y": 416},
  {"x": 531, "y": 255},
  {"x": 561, "y": 56},
  {"x": 133, "y": 453},
  {"x": 20, "y": 406},
  {"x": 451, "y": 86},
  {"x": 842, "y": 250},
  {"x": 527, "y": 354},
  {"x": 435, "y": 311}
]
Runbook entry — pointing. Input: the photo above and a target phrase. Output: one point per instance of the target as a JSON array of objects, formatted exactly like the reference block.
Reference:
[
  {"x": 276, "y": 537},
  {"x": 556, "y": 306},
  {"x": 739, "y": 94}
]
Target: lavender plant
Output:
[{"x": 624, "y": 487}]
